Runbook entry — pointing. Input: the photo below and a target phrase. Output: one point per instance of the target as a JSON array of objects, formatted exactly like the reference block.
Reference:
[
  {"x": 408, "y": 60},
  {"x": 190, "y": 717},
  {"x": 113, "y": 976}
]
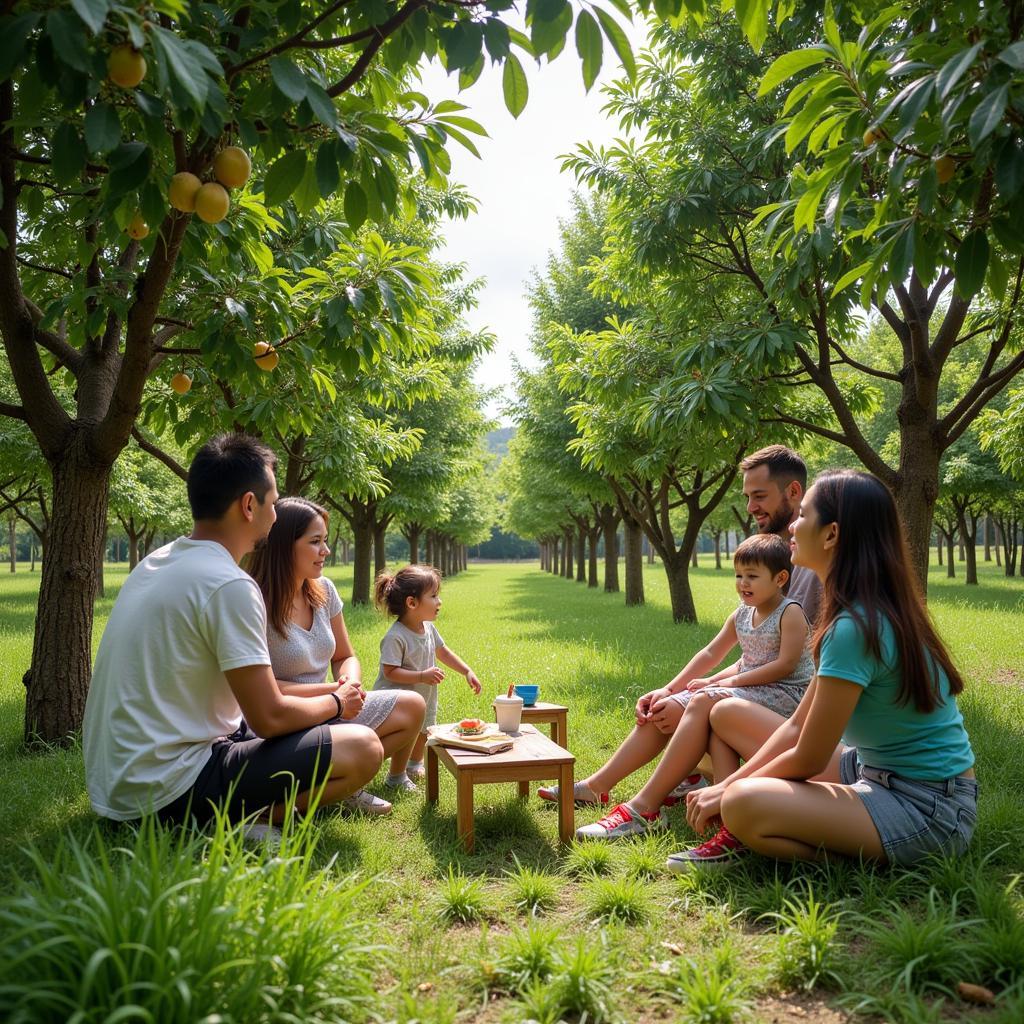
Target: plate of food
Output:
[{"x": 473, "y": 729}]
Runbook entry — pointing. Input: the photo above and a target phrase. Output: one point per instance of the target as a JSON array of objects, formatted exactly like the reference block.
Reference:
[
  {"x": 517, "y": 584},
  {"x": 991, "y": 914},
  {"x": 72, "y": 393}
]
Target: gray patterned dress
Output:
[{"x": 760, "y": 645}]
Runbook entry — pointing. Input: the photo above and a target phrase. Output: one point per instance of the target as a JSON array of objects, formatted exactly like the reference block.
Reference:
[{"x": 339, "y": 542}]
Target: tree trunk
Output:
[
  {"x": 916, "y": 486},
  {"x": 12, "y": 534},
  {"x": 593, "y": 539},
  {"x": 727, "y": 551},
  {"x": 334, "y": 548},
  {"x": 950, "y": 566},
  {"x": 362, "y": 532},
  {"x": 346, "y": 553},
  {"x": 693, "y": 558},
  {"x": 650, "y": 551},
  {"x": 938, "y": 546},
  {"x": 101, "y": 588},
  {"x": 968, "y": 536},
  {"x": 961, "y": 548},
  {"x": 380, "y": 554},
  {"x": 412, "y": 535},
  {"x": 133, "y": 546},
  {"x": 678, "y": 572},
  {"x": 543, "y": 553},
  {"x": 634, "y": 538},
  {"x": 58, "y": 679},
  {"x": 581, "y": 555},
  {"x": 567, "y": 539},
  {"x": 557, "y": 556},
  {"x": 431, "y": 548},
  {"x": 987, "y": 528},
  {"x": 718, "y": 549}
]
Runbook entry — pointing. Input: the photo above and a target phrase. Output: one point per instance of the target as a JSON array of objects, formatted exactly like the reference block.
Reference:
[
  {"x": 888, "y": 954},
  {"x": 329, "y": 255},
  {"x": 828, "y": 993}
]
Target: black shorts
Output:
[{"x": 247, "y": 774}]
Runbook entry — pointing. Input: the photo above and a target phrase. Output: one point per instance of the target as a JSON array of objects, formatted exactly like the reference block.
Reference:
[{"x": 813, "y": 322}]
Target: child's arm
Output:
[
  {"x": 793, "y": 640},
  {"x": 411, "y": 676},
  {"x": 707, "y": 658},
  {"x": 452, "y": 660}
]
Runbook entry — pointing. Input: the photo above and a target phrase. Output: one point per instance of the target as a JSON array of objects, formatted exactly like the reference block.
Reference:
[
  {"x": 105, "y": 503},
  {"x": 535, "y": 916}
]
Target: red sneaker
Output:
[
  {"x": 582, "y": 795},
  {"x": 722, "y": 850}
]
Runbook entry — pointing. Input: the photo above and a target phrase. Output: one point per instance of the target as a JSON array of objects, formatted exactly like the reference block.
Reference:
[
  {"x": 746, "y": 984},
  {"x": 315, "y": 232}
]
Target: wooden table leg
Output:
[
  {"x": 566, "y": 806},
  {"x": 464, "y": 808},
  {"x": 432, "y": 786},
  {"x": 524, "y": 791}
]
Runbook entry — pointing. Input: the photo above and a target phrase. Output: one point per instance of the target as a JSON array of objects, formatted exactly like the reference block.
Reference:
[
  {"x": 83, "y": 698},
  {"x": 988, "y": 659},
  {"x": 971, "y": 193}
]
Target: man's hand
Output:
[
  {"x": 352, "y": 697},
  {"x": 431, "y": 676},
  {"x": 703, "y": 806},
  {"x": 474, "y": 683}
]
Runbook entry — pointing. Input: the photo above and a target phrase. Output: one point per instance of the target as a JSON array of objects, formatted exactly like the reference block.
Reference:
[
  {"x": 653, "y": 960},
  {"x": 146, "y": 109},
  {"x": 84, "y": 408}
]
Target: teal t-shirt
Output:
[{"x": 928, "y": 747}]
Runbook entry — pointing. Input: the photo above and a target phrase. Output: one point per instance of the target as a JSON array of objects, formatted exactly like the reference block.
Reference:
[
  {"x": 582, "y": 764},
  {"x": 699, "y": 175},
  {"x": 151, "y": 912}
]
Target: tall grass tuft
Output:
[
  {"x": 462, "y": 899},
  {"x": 618, "y": 899},
  {"x": 176, "y": 926},
  {"x": 709, "y": 990},
  {"x": 807, "y": 946},
  {"x": 586, "y": 859},
  {"x": 583, "y": 978},
  {"x": 532, "y": 891},
  {"x": 526, "y": 955}
]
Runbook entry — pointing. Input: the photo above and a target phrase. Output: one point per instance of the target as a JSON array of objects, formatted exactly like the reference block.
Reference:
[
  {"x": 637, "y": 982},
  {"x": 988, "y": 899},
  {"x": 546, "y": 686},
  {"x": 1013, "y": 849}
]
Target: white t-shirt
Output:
[{"x": 159, "y": 697}]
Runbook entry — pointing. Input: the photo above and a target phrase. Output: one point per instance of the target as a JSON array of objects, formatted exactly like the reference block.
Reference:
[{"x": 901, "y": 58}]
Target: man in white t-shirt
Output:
[{"x": 184, "y": 657}]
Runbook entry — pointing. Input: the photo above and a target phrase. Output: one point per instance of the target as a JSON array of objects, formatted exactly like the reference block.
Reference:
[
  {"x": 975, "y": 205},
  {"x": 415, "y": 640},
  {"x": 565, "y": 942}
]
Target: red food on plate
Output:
[{"x": 471, "y": 727}]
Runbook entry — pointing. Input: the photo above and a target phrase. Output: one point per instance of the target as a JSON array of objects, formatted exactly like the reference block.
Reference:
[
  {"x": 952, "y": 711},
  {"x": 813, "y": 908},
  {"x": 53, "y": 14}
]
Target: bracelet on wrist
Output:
[{"x": 337, "y": 703}]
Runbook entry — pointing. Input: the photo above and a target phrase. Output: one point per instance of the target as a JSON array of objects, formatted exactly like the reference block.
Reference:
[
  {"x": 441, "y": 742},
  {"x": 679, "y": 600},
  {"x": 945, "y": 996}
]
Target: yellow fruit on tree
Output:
[
  {"x": 871, "y": 136},
  {"x": 945, "y": 168},
  {"x": 265, "y": 355},
  {"x": 181, "y": 382},
  {"x": 212, "y": 202},
  {"x": 137, "y": 228},
  {"x": 232, "y": 167},
  {"x": 182, "y": 192},
  {"x": 126, "y": 67}
]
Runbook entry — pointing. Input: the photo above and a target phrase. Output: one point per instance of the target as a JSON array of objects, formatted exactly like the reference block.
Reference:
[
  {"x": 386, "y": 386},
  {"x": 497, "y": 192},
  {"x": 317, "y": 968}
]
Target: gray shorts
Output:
[
  {"x": 913, "y": 818},
  {"x": 376, "y": 708}
]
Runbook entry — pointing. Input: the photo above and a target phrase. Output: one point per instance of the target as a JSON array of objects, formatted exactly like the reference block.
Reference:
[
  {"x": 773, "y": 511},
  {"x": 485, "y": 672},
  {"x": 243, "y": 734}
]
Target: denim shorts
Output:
[{"x": 913, "y": 818}]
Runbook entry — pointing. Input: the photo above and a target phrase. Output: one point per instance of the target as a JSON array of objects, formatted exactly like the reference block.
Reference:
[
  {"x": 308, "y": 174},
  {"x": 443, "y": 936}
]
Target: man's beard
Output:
[{"x": 779, "y": 522}]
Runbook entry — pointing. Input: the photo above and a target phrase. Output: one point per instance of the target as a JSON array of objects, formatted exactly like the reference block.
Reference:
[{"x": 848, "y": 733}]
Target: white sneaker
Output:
[
  {"x": 620, "y": 822},
  {"x": 582, "y": 794},
  {"x": 688, "y": 784},
  {"x": 416, "y": 772},
  {"x": 362, "y": 802},
  {"x": 402, "y": 784}
]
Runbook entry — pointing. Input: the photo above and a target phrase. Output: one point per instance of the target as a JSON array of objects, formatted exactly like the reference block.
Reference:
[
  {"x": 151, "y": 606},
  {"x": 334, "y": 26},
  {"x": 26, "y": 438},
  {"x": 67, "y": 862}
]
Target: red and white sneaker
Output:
[
  {"x": 690, "y": 783},
  {"x": 622, "y": 821},
  {"x": 723, "y": 850},
  {"x": 582, "y": 795}
]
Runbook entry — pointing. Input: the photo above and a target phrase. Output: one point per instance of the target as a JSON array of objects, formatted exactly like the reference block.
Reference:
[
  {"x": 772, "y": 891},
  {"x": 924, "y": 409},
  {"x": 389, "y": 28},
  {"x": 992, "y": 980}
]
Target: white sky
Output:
[{"x": 518, "y": 187}]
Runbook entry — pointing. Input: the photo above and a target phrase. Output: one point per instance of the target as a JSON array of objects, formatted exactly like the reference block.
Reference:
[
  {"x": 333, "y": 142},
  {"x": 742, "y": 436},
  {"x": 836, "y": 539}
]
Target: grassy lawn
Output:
[{"x": 391, "y": 916}]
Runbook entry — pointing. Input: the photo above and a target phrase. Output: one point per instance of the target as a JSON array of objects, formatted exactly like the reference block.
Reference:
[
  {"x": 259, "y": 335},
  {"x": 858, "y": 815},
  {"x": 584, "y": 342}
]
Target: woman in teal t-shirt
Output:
[{"x": 903, "y": 786}]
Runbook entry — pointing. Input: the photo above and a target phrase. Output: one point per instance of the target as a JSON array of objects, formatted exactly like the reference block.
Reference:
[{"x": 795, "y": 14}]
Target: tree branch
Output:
[
  {"x": 44, "y": 268},
  {"x": 158, "y": 453},
  {"x": 883, "y": 374}
]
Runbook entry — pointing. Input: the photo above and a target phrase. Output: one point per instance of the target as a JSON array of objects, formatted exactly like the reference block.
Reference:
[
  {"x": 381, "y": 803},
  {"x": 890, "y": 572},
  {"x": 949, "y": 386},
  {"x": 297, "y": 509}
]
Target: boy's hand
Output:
[
  {"x": 474, "y": 683},
  {"x": 698, "y": 684},
  {"x": 432, "y": 676}
]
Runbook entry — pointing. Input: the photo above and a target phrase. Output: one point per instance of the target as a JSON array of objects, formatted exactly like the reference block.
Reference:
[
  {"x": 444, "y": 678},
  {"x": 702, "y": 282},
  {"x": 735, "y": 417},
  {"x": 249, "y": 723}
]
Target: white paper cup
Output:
[{"x": 509, "y": 712}]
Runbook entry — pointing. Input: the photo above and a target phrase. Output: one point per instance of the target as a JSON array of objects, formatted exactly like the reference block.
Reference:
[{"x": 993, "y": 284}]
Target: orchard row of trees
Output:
[
  {"x": 810, "y": 233},
  {"x": 237, "y": 200}
]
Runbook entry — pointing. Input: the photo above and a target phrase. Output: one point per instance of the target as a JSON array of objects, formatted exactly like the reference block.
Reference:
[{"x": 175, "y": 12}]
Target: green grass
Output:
[{"x": 464, "y": 942}]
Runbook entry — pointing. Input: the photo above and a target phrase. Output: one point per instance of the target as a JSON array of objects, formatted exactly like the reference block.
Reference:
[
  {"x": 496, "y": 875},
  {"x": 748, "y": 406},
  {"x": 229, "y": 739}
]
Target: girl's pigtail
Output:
[{"x": 382, "y": 588}]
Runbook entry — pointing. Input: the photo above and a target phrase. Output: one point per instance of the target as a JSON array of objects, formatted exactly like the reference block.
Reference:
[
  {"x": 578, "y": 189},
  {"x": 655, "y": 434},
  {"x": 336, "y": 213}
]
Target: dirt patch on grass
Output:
[
  {"x": 1009, "y": 677},
  {"x": 793, "y": 1008}
]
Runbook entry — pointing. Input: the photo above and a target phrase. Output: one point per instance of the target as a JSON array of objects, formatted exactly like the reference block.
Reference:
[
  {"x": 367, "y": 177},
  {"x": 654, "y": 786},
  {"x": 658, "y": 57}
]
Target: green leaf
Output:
[
  {"x": 753, "y": 19},
  {"x": 68, "y": 154},
  {"x": 387, "y": 293},
  {"x": 14, "y": 33},
  {"x": 971, "y": 263},
  {"x": 590, "y": 47},
  {"x": 181, "y": 65},
  {"x": 549, "y": 27},
  {"x": 68, "y": 35},
  {"x": 514, "y": 86},
  {"x": 927, "y": 189},
  {"x": 998, "y": 278},
  {"x": 902, "y": 256},
  {"x": 788, "y": 65},
  {"x": 850, "y": 277},
  {"x": 92, "y": 12},
  {"x": 618, "y": 39},
  {"x": 466, "y": 123},
  {"x": 327, "y": 175},
  {"x": 130, "y": 166},
  {"x": 322, "y": 105},
  {"x": 1013, "y": 56},
  {"x": 953, "y": 70},
  {"x": 355, "y": 209},
  {"x": 288, "y": 79},
  {"x": 307, "y": 195},
  {"x": 1010, "y": 167},
  {"x": 496, "y": 39},
  {"x": 102, "y": 128},
  {"x": 283, "y": 177},
  {"x": 987, "y": 115}
]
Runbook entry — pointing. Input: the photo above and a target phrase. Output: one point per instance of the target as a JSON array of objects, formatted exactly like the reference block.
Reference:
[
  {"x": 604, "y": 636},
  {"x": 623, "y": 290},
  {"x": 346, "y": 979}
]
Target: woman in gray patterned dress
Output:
[{"x": 307, "y": 637}]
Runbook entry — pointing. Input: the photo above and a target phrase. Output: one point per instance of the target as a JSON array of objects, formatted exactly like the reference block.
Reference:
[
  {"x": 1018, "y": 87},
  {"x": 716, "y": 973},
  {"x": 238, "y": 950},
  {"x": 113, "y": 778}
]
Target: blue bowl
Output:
[{"x": 528, "y": 693}]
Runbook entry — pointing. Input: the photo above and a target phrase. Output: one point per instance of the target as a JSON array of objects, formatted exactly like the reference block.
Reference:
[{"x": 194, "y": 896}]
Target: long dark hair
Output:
[
  {"x": 272, "y": 565},
  {"x": 871, "y": 577}
]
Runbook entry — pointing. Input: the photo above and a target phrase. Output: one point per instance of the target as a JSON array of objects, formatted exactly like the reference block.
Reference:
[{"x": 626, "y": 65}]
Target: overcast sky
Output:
[{"x": 518, "y": 187}]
